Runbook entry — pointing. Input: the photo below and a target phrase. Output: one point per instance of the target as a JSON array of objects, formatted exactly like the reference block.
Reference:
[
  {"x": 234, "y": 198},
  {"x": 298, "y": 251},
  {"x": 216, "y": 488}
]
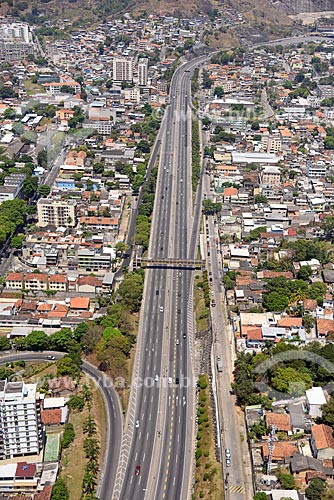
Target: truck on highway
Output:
[{"x": 219, "y": 364}]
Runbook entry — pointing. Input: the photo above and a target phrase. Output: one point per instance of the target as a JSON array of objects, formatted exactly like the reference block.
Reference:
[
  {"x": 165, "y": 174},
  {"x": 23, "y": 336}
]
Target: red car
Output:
[{"x": 137, "y": 470}]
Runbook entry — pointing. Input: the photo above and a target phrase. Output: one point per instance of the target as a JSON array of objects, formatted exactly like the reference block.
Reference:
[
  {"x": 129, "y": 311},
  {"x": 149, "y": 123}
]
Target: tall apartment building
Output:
[
  {"x": 142, "y": 71},
  {"x": 20, "y": 425},
  {"x": 122, "y": 69},
  {"x": 56, "y": 212},
  {"x": 15, "y": 41}
]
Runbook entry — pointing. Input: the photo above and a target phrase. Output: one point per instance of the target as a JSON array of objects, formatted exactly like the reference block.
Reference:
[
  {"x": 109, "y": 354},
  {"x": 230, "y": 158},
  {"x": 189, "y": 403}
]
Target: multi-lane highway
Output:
[{"x": 157, "y": 458}]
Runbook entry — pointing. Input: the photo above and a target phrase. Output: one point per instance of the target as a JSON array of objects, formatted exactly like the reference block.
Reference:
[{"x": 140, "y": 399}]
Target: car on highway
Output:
[
  {"x": 228, "y": 453},
  {"x": 184, "y": 335},
  {"x": 177, "y": 381},
  {"x": 51, "y": 357},
  {"x": 137, "y": 470},
  {"x": 213, "y": 303},
  {"x": 161, "y": 309},
  {"x": 177, "y": 342},
  {"x": 228, "y": 462},
  {"x": 137, "y": 424},
  {"x": 156, "y": 378},
  {"x": 170, "y": 380}
]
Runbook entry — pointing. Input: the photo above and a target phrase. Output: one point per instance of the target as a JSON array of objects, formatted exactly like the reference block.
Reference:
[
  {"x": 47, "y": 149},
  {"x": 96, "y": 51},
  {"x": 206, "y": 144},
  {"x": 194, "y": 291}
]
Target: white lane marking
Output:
[
  {"x": 174, "y": 481},
  {"x": 139, "y": 479},
  {"x": 145, "y": 399},
  {"x": 131, "y": 480},
  {"x": 178, "y": 439},
  {"x": 179, "y": 418},
  {"x": 177, "y": 456},
  {"x": 152, "y": 399},
  {"x": 154, "y": 367},
  {"x": 139, "y": 437},
  {"x": 144, "y": 457},
  {"x": 150, "y": 416},
  {"x": 142, "y": 416},
  {"x": 147, "y": 436},
  {"x": 136, "y": 455}
]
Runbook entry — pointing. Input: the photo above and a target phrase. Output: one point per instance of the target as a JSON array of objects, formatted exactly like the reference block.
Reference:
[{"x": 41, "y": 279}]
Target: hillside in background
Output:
[{"x": 264, "y": 18}]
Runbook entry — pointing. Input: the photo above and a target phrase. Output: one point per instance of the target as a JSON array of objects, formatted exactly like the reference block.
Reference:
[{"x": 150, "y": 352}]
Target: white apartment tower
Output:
[
  {"x": 56, "y": 212},
  {"x": 142, "y": 71},
  {"x": 122, "y": 70},
  {"x": 20, "y": 425}
]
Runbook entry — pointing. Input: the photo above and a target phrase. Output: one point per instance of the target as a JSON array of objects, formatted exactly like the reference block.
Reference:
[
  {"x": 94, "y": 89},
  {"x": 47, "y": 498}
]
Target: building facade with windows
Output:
[
  {"x": 21, "y": 431},
  {"x": 56, "y": 212}
]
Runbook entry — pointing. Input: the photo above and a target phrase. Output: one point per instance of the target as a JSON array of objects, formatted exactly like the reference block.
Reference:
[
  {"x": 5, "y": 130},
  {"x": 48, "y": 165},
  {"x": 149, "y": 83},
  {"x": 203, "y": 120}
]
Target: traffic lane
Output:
[
  {"x": 175, "y": 481},
  {"x": 144, "y": 399}
]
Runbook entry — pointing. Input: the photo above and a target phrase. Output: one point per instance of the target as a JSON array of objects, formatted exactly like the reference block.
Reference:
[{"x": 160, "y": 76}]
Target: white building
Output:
[
  {"x": 142, "y": 71},
  {"x": 20, "y": 426},
  {"x": 56, "y": 212},
  {"x": 315, "y": 398},
  {"x": 122, "y": 70}
]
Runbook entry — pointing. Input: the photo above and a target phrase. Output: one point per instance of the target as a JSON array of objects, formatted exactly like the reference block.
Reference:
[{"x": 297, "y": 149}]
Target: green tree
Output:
[
  {"x": 291, "y": 381},
  {"x": 9, "y": 114},
  {"x": 59, "y": 490},
  {"x": 304, "y": 273},
  {"x": 328, "y": 413},
  {"x": 44, "y": 190},
  {"x": 260, "y": 495},
  {"x": 210, "y": 208},
  {"x": 76, "y": 402},
  {"x": 66, "y": 366},
  {"x": 68, "y": 436},
  {"x": 17, "y": 241},
  {"x": 286, "y": 479},
  {"x": 131, "y": 289},
  {"x": 316, "y": 489},
  {"x": 4, "y": 344},
  {"x": 308, "y": 322},
  {"x": 260, "y": 198},
  {"x": 219, "y": 91},
  {"x": 36, "y": 341}
]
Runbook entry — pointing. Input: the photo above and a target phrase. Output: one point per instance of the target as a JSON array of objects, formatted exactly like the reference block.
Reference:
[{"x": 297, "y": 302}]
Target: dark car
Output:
[
  {"x": 137, "y": 470},
  {"x": 177, "y": 380}
]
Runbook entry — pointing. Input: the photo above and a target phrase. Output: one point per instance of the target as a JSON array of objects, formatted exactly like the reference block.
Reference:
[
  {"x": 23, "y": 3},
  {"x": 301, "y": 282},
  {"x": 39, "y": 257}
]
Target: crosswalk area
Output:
[{"x": 237, "y": 489}]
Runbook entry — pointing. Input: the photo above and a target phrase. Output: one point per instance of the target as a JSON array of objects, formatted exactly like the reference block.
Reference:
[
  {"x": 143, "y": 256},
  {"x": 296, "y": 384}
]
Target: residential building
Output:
[
  {"x": 93, "y": 261},
  {"x": 325, "y": 91},
  {"x": 322, "y": 441},
  {"x": 12, "y": 187},
  {"x": 122, "y": 70},
  {"x": 315, "y": 398},
  {"x": 271, "y": 176},
  {"x": 316, "y": 169},
  {"x": 55, "y": 88},
  {"x": 56, "y": 212},
  {"x": 20, "y": 427},
  {"x": 142, "y": 71}
]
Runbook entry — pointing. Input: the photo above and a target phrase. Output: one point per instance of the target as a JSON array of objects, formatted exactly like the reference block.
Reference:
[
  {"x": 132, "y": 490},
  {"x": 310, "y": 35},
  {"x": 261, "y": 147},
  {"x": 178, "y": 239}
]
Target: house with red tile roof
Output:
[
  {"x": 322, "y": 441},
  {"x": 281, "y": 451},
  {"x": 281, "y": 421}
]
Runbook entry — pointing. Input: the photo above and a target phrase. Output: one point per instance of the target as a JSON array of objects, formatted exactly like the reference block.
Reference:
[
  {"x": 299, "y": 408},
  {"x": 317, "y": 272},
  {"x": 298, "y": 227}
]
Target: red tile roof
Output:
[
  {"x": 50, "y": 417},
  {"x": 280, "y": 420},
  {"x": 79, "y": 303},
  {"x": 323, "y": 436}
]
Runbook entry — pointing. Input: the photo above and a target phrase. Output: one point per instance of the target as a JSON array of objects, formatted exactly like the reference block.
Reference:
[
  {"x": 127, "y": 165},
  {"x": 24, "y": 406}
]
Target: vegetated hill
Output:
[{"x": 303, "y": 6}]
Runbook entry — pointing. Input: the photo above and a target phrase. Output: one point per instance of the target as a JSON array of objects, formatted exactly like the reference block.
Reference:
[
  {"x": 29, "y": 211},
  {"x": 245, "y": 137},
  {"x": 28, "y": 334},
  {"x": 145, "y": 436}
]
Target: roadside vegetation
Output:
[
  {"x": 195, "y": 153},
  {"x": 202, "y": 301},
  {"x": 208, "y": 474}
]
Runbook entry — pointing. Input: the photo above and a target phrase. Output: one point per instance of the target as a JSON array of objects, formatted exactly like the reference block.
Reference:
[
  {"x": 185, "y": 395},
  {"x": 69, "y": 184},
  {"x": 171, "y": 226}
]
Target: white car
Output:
[
  {"x": 177, "y": 342},
  {"x": 161, "y": 309},
  {"x": 228, "y": 453},
  {"x": 156, "y": 378},
  {"x": 228, "y": 462},
  {"x": 170, "y": 380},
  {"x": 137, "y": 424}
]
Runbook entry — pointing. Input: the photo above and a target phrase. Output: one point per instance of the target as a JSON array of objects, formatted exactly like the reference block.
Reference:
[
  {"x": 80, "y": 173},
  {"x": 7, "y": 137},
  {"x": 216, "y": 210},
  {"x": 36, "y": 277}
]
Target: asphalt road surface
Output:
[{"x": 162, "y": 425}]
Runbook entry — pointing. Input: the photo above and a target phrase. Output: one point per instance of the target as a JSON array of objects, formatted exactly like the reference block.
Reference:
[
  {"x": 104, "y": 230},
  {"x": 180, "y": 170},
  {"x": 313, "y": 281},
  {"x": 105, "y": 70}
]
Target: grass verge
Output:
[{"x": 208, "y": 473}]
